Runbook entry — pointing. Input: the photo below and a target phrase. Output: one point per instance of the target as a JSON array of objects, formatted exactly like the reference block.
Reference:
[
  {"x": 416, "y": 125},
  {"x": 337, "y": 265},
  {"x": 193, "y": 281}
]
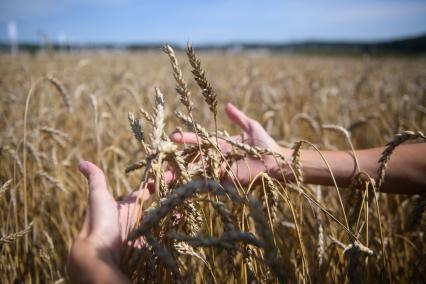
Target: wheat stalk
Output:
[
  {"x": 36, "y": 154},
  {"x": 309, "y": 119},
  {"x": 347, "y": 135}
]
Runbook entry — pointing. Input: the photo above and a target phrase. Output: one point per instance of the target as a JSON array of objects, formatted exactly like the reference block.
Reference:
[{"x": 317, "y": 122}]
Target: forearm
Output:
[
  {"x": 89, "y": 265},
  {"x": 405, "y": 172}
]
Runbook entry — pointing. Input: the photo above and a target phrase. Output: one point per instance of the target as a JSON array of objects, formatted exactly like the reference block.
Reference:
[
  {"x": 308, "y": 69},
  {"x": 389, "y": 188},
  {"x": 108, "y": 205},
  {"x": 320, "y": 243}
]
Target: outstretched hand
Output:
[{"x": 252, "y": 134}]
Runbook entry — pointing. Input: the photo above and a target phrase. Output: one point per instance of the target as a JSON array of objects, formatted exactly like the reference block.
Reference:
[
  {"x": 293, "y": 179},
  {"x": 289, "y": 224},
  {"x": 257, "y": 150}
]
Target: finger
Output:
[
  {"x": 168, "y": 177},
  {"x": 99, "y": 196},
  {"x": 94, "y": 175},
  {"x": 238, "y": 117},
  {"x": 224, "y": 146},
  {"x": 185, "y": 137}
]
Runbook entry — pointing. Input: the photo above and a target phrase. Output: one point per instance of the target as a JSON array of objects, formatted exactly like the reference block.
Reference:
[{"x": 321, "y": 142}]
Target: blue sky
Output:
[{"x": 216, "y": 21}]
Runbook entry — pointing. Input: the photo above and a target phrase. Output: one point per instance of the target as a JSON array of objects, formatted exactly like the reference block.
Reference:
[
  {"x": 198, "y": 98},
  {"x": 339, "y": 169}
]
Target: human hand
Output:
[
  {"x": 96, "y": 253},
  {"x": 254, "y": 135}
]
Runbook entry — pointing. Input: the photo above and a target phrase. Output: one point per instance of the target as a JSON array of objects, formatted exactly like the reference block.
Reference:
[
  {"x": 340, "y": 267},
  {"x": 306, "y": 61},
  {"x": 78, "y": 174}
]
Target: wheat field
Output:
[{"x": 58, "y": 109}]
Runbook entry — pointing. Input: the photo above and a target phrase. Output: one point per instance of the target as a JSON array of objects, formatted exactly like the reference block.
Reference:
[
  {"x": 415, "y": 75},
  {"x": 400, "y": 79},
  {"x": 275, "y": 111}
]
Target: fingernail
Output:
[{"x": 82, "y": 166}]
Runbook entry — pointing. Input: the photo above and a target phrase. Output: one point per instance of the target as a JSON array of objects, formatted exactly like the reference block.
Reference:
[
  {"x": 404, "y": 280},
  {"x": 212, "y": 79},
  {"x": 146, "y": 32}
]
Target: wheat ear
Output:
[
  {"x": 136, "y": 127},
  {"x": 226, "y": 241},
  {"x": 172, "y": 200},
  {"x": 390, "y": 147},
  {"x": 181, "y": 86},
  {"x": 184, "y": 93},
  {"x": 158, "y": 126},
  {"x": 135, "y": 166},
  {"x": 53, "y": 181},
  {"x": 296, "y": 162},
  {"x": 12, "y": 153},
  {"x": 62, "y": 90},
  {"x": 146, "y": 115},
  {"x": 320, "y": 230},
  {"x": 5, "y": 186},
  {"x": 353, "y": 253},
  {"x": 308, "y": 119},
  {"x": 200, "y": 77},
  {"x": 12, "y": 237},
  {"x": 271, "y": 197},
  {"x": 165, "y": 256}
]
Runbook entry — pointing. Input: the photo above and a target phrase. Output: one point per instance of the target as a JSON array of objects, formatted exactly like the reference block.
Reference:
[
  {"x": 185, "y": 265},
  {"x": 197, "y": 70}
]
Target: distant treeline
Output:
[{"x": 406, "y": 46}]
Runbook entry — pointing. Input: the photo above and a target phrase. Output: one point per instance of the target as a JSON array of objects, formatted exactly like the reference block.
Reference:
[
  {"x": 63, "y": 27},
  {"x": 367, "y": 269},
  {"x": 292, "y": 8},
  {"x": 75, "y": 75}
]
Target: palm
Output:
[
  {"x": 253, "y": 134},
  {"x": 107, "y": 221}
]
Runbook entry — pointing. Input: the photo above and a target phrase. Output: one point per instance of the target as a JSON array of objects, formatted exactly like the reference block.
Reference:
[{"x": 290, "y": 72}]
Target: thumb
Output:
[
  {"x": 238, "y": 117},
  {"x": 95, "y": 176},
  {"x": 98, "y": 190}
]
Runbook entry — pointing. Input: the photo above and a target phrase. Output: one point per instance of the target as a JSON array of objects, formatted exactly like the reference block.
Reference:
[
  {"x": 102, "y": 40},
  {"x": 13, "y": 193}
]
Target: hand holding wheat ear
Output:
[
  {"x": 108, "y": 222},
  {"x": 253, "y": 134}
]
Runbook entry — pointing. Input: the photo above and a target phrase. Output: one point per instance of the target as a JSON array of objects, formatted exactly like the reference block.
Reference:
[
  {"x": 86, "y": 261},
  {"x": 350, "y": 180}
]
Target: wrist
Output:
[
  {"x": 91, "y": 263},
  {"x": 277, "y": 167},
  {"x": 81, "y": 256}
]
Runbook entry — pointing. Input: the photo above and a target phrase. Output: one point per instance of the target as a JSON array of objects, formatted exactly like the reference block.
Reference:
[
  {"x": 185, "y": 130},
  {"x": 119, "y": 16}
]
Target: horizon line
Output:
[{"x": 221, "y": 43}]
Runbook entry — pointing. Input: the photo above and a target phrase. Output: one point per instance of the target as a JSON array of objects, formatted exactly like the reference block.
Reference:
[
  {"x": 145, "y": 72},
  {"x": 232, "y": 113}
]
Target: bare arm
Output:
[{"x": 405, "y": 174}]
